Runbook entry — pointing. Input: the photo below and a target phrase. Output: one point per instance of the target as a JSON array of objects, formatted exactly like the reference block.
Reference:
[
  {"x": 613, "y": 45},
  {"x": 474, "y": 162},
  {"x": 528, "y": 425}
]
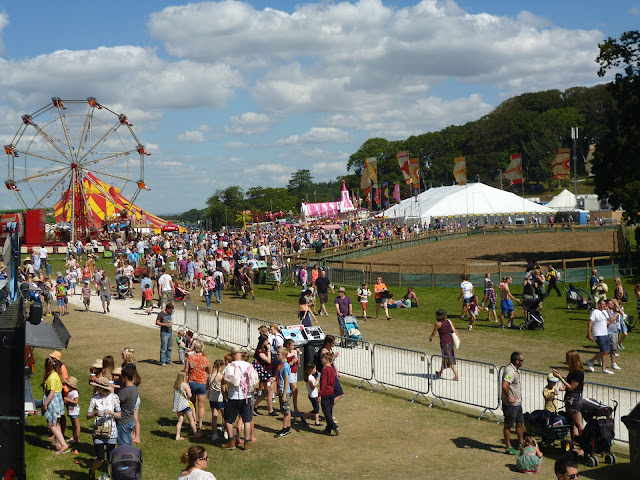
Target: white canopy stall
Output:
[{"x": 565, "y": 201}]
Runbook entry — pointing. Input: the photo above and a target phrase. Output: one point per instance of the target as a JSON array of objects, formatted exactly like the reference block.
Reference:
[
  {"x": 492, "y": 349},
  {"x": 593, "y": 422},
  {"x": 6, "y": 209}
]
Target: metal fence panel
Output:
[
  {"x": 627, "y": 399},
  {"x": 252, "y": 334},
  {"x": 191, "y": 318},
  {"x": 232, "y": 328},
  {"x": 402, "y": 368},
  {"x": 478, "y": 385},
  {"x": 347, "y": 277},
  {"x": 532, "y": 385},
  {"x": 208, "y": 324},
  {"x": 355, "y": 358}
]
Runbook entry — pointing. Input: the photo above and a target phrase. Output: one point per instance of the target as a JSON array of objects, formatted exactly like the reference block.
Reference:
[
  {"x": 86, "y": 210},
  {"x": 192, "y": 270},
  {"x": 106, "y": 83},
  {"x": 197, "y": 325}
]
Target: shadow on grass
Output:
[
  {"x": 72, "y": 474},
  {"x": 167, "y": 422},
  {"x": 163, "y": 434},
  {"x": 466, "y": 442}
]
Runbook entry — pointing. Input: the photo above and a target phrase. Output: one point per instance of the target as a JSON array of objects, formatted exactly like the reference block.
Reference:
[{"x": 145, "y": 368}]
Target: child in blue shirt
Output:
[{"x": 284, "y": 392}]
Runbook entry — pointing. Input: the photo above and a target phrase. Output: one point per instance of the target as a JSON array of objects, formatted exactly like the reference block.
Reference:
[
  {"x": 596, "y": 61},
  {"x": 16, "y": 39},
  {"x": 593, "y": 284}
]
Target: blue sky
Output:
[{"x": 230, "y": 92}]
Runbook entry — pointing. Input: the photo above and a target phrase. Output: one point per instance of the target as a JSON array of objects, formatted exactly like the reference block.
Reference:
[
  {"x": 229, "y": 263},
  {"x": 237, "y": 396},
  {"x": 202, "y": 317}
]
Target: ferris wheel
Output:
[{"x": 59, "y": 147}]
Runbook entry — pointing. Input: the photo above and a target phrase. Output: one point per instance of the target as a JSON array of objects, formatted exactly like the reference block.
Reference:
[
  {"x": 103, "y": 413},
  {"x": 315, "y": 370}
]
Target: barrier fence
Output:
[
  {"x": 402, "y": 368},
  {"x": 480, "y": 388},
  {"x": 414, "y": 370}
]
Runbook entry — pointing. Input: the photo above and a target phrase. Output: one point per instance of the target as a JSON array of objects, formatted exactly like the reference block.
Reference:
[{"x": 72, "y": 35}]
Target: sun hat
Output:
[
  {"x": 341, "y": 289},
  {"x": 97, "y": 363},
  {"x": 72, "y": 382},
  {"x": 116, "y": 371},
  {"x": 552, "y": 378},
  {"x": 57, "y": 355},
  {"x": 600, "y": 277},
  {"x": 235, "y": 350},
  {"x": 102, "y": 382}
]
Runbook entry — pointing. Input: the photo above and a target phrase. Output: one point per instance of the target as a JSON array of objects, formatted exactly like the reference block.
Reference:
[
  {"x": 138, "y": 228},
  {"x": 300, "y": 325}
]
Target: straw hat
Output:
[
  {"x": 116, "y": 371},
  {"x": 102, "y": 382},
  {"x": 97, "y": 363},
  {"x": 72, "y": 382},
  {"x": 57, "y": 355}
]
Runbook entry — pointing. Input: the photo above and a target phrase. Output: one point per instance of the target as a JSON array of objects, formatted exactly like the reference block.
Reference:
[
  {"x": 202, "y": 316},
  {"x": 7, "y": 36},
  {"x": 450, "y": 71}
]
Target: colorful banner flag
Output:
[
  {"x": 385, "y": 194},
  {"x": 377, "y": 198},
  {"x": 396, "y": 193},
  {"x": 369, "y": 173},
  {"x": 460, "y": 170},
  {"x": 367, "y": 196},
  {"x": 514, "y": 170},
  {"x": 403, "y": 161},
  {"x": 414, "y": 169},
  {"x": 560, "y": 165},
  {"x": 588, "y": 162}
]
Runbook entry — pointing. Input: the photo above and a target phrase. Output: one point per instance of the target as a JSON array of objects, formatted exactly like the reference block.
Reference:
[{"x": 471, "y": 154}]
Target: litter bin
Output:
[
  {"x": 309, "y": 350},
  {"x": 262, "y": 272},
  {"x": 632, "y": 422}
]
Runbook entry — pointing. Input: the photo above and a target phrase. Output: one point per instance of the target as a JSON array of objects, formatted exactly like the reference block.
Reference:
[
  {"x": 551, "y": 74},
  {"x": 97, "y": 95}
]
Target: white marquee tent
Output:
[
  {"x": 471, "y": 200},
  {"x": 563, "y": 202}
]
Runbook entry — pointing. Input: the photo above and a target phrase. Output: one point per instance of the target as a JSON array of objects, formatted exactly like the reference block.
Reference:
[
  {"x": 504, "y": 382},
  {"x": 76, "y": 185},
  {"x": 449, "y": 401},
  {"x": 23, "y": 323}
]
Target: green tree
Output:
[
  {"x": 617, "y": 165},
  {"x": 300, "y": 184}
]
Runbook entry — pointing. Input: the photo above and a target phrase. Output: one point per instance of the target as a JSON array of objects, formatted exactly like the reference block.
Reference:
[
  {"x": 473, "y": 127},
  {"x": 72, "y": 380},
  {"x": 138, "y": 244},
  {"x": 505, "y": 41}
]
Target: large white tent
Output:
[
  {"x": 471, "y": 200},
  {"x": 563, "y": 202}
]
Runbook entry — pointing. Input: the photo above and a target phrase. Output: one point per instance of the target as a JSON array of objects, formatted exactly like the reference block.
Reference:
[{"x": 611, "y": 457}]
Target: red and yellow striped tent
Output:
[{"x": 105, "y": 201}]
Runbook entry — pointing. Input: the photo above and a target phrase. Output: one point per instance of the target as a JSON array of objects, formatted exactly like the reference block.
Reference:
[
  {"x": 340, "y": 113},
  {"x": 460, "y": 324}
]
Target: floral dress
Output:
[
  {"x": 529, "y": 461},
  {"x": 180, "y": 401}
]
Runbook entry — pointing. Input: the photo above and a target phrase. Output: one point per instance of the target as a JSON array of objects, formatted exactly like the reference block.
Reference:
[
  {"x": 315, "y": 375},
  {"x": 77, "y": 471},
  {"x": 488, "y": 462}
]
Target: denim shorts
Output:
[
  {"x": 216, "y": 405},
  {"x": 198, "y": 388},
  {"x": 603, "y": 343}
]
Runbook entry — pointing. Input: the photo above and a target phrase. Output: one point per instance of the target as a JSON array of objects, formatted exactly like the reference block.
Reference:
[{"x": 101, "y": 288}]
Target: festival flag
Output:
[
  {"x": 460, "y": 170},
  {"x": 588, "y": 162},
  {"x": 403, "y": 161},
  {"x": 369, "y": 173},
  {"x": 385, "y": 194},
  {"x": 514, "y": 170},
  {"x": 560, "y": 166},
  {"x": 396, "y": 193},
  {"x": 367, "y": 195},
  {"x": 414, "y": 169},
  {"x": 377, "y": 198}
]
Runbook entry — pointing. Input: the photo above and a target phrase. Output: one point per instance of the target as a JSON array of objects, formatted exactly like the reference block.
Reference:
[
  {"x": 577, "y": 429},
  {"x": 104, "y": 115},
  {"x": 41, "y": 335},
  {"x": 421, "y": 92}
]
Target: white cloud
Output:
[
  {"x": 4, "y": 21},
  {"x": 634, "y": 11},
  {"x": 194, "y": 136},
  {"x": 249, "y": 123},
  {"x": 318, "y": 135}
]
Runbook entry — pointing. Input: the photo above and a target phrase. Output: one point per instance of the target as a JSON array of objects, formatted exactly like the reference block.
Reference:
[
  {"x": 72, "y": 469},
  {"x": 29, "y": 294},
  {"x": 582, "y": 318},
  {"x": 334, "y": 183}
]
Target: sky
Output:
[{"x": 247, "y": 92}]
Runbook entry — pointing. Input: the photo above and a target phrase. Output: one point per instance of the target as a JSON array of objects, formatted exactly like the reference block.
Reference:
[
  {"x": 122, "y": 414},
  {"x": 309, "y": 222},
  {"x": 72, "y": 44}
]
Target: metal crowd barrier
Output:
[
  {"x": 207, "y": 324},
  {"x": 477, "y": 385},
  {"x": 355, "y": 359},
  {"x": 402, "y": 368},
  {"x": 347, "y": 277},
  {"x": 532, "y": 385},
  {"x": 190, "y": 318},
  {"x": 252, "y": 331},
  {"x": 232, "y": 328},
  {"x": 627, "y": 399}
]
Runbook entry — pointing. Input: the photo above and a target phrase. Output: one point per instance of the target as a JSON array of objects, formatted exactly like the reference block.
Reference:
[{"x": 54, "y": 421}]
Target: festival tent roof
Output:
[
  {"x": 564, "y": 201},
  {"x": 105, "y": 201},
  {"x": 473, "y": 199}
]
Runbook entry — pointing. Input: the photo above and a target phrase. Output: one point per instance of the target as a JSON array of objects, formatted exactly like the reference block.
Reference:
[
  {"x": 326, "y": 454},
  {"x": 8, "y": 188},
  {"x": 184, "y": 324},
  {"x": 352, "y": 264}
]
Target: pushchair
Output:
[
  {"x": 578, "y": 298},
  {"x": 598, "y": 433},
  {"x": 179, "y": 293},
  {"x": 126, "y": 463},
  {"x": 124, "y": 289},
  {"x": 533, "y": 318},
  {"x": 550, "y": 427},
  {"x": 351, "y": 331}
]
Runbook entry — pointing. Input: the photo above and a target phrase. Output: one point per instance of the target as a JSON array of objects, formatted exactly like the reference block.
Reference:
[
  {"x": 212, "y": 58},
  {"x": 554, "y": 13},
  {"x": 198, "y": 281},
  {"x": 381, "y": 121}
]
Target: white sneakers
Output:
[
  {"x": 590, "y": 365},
  {"x": 616, "y": 367},
  {"x": 604, "y": 370}
]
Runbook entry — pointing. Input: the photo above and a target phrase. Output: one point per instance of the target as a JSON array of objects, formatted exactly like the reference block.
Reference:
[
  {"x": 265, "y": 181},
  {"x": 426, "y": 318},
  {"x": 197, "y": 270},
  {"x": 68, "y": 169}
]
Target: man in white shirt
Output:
[
  {"x": 597, "y": 332},
  {"x": 238, "y": 403},
  {"x": 165, "y": 285}
]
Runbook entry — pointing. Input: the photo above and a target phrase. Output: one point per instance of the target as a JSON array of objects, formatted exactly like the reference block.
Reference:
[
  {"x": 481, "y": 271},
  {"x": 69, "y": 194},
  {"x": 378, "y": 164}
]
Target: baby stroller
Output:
[
  {"x": 126, "y": 463},
  {"x": 578, "y": 298},
  {"x": 598, "y": 433},
  {"x": 533, "y": 318},
  {"x": 124, "y": 288},
  {"x": 351, "y": 331},
  {"x": 179, "y": 293},
  {"x": 550, "y": 427}
]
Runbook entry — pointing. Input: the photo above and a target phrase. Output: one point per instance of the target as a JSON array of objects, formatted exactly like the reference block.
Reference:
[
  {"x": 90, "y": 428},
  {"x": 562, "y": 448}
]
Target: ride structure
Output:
[{"x": 58, "y": 146}]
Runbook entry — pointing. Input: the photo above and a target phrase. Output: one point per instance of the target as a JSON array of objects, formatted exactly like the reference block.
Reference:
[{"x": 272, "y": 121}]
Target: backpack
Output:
[
  {"x": 218, "y": 281},
  {"x": 46, "y": 290},
  {"x": 625, "y": 296},
  {"x": 60, "y": 291},
  {"x": 247, "y": 380}
]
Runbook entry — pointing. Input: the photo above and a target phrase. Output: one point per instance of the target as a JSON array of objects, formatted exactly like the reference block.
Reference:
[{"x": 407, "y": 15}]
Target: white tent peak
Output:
[
  {"x": 346, "y": 205},
  {"x": 564, "y": 201},
  {"x": 469, "y": 200}
]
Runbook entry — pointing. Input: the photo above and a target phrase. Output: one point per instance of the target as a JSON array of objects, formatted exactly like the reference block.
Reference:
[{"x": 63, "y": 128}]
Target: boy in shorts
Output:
[
  {"x": 86, "y": 295},
  {"x": 148, "y": 299},
  {"x": 284, "y": 371}
]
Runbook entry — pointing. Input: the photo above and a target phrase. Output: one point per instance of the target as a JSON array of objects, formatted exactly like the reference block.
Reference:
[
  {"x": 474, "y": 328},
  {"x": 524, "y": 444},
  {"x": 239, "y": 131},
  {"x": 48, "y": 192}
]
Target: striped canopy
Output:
[{"x": 104, "y": 201}]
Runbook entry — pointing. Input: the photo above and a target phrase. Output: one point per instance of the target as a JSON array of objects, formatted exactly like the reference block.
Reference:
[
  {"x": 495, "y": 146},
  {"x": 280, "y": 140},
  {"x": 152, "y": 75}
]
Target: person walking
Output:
[
  {"x": 445, "y": 329},
  {"x": 163, "y": 320},
  {"x": 597, "y": 332},
  {"x": 552, "y": 278},
  {"x": 511, "y": 394}
]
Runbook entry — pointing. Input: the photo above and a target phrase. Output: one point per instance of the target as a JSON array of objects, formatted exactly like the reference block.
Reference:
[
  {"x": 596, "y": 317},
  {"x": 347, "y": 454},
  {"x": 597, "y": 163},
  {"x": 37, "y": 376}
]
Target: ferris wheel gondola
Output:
[{"x": 58, "y": 146}]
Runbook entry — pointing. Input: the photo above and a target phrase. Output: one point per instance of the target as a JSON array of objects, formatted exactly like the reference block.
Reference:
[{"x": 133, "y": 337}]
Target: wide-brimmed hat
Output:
[
  {"x": 97, "y": 363},
  {"x": 72, "y": 382},
  {"x": 235, "y": 350},
  {"x": 341, "y": 289},
  {"x": 552, "y": 378},
  {"x": 102, "y": 382},
  {"x": 116, "y": 371},
  {"x": 57, "y": 355}
]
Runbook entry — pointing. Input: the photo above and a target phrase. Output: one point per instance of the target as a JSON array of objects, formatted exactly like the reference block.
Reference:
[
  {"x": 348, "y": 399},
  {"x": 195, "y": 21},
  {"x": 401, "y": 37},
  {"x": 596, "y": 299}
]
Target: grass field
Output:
[{"x": 383, "y": 434}]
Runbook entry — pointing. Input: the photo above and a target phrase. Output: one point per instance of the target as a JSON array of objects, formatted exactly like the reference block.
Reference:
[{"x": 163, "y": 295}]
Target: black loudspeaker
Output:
[
  {"x": 12, "y": 344},
  {"x": 35, "y": 313}
]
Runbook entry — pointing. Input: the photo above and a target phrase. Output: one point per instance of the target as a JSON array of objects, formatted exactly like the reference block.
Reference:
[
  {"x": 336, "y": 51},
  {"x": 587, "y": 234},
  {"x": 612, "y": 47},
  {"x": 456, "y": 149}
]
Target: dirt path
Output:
[{"x": 449, "y": 256}]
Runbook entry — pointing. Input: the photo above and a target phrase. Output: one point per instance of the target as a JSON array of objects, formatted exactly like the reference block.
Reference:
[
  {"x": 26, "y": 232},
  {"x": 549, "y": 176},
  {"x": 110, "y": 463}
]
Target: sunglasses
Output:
[
  {"x": 573, "y": 476},
  {"x": 205, "y": 459}
]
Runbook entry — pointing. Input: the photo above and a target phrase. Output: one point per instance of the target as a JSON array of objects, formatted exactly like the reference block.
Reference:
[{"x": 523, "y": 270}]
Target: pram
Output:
[
  {"x": 126, "y": 463},
  {"x": 533, "y": 318},
  {"x": 578, "y": 298},
  {"x": 179, "y": 293},
  {"x": 351, "y": 331},
  {"x": 124, "y": 289},
  {"x": 550, "y": 427},
  {"x": 598, "y": 433}
]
